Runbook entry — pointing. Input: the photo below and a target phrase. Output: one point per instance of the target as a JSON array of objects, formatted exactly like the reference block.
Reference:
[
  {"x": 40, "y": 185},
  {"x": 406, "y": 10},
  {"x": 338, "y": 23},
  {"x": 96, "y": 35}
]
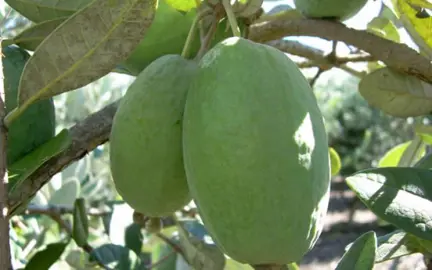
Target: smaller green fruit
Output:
[
  {"x": 146, "y": 157},
  {"x": 338, "y": 9}
]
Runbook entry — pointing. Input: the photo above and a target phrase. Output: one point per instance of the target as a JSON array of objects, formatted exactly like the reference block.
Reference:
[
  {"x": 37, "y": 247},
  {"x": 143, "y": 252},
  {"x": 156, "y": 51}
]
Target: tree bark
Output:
[{"x": 5, "y": 257}]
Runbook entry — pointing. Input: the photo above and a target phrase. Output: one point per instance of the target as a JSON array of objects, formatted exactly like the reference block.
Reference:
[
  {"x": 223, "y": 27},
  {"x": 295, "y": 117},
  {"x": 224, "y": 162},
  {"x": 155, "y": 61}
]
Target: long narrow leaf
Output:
[
  {"x": 401, "y": 196},
  {"x": 361, "y": 254}
]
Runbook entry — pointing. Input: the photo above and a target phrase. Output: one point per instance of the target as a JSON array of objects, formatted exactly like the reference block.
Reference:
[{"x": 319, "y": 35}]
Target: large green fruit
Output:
[
  {"x": 167, "y": 35},
  {"x": 339, "y": 9},
  {"x": 37, "y": 124},
  {"x": 256, "y": 154},
  {"x": 146, "y": 138}
]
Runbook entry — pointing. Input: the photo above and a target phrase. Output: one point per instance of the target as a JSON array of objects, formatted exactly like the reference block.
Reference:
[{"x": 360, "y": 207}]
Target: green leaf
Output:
[
  {"x": 199, "y": 254},
  {"x": 293, "y": 266},
  {"x": 182, "y": 5},
  {"x": 395, "y": 245},
  {"x": 426, "y": 138},
  {"x": 80, "y": 228},
  {"x": 396, "y": 94},
  {"x": 116, "y": 257},
  {"x": 419, "y": 29},
  {"x": 420, "y": 3},
  {"x": 31, "y": 37},
  {"x": 425, "y": 133},
  {"x": 425, "y": 162},
  {"x": 361, "y": 254},
  {"x": 45, "y": 258},
  {"x": 134, "y": 238},
  {"x": 74, "y": 55},
  {"x": 383, "y": 27},
  {"x": 400, "y": 196},
  {"x": 44, "y": 10},
  {"x": 78, "y": 259},
  {"x": 66, "y": 195},
  {"x": 23, "y": 168},
  {"x": 415, "y": 150},
  {"x": 391, "y": 157},
  {"x": 374, "y": 65},
  {"x": 335, "y": 161}
]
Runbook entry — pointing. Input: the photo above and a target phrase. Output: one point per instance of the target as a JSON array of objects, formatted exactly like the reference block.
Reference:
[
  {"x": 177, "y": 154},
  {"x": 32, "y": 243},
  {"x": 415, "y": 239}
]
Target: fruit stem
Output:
[
  {"x": 269, "y": 267},
  {"x": 190, "y": 37},
  {"x": 231, "y": 18},
  {"x": 201, "y": 24},
  {"x": 191, "y": 34},
  {"x": 205, "y": 43}
]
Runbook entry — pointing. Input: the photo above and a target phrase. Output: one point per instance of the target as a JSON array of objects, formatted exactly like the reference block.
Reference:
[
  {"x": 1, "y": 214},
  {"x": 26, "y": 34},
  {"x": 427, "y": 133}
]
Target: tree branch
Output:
[
  {"x": 297, "y": 48},
  {"x": 5, "y": 256},
  {"x": 318, "y": 58},
  {"x": 394, "y": 55},
  {"x": 86, "y": 136},
  {"x": 61, "y": 210}
]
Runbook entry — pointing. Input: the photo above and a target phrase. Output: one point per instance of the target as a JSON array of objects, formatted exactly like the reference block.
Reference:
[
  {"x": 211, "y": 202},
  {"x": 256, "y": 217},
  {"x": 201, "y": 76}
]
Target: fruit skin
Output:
[
  {"x": 37, "y": 124},
  {"x": 338, "y": 9},
  {"x": 167, "y": 35},
  {"x": 146, "y": 138},
  {"x": 256, "y": 153}
]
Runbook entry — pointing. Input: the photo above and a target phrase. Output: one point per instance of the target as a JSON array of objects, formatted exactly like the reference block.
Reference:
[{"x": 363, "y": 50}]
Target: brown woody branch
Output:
[
  {"x": 318, "y": 58},
  {"x": 394, "y": 55},
  {"x": 86, "y": 136},
  {"x": 61, "y": 210},
  {"x": 95, "y": 129},
  {"x": 5, "y": 255}
]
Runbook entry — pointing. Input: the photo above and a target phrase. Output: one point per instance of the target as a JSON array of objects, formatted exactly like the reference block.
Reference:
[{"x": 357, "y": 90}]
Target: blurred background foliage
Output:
[{"x": 360, "y": 134}]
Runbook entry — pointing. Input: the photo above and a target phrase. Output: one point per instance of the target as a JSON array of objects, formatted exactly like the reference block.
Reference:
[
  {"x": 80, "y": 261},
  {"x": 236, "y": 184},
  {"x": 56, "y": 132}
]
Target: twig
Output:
[
  {"x": 206, "y": 42},
  {"x": 394, "y": 55},
  {"x": 5, "y": 255},
  {"x": 60, "y": 210},
  {"x": 173, "y": 245},
  {"x": 339, "y": 61},
  {"x": 164, "y": 258},
  {"x": 315, "y": 78}
]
